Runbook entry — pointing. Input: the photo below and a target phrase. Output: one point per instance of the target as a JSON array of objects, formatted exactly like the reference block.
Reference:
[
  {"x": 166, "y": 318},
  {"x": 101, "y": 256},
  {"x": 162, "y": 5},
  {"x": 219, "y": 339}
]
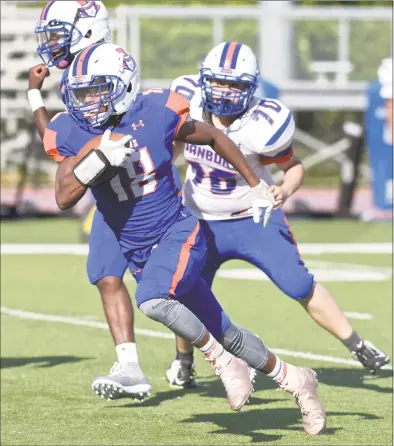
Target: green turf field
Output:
[{"x": 47, "y": 366}]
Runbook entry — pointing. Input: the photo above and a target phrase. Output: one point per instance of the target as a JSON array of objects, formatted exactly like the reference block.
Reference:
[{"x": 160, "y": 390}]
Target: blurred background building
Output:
[{"x": 320, "y": 58}]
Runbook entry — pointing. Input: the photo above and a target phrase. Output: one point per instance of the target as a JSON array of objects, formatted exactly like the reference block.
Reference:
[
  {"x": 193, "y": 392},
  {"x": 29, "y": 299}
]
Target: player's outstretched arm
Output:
[
  {"x": 200, "y": 133},
  {"x": 68, "y": 190},
  {"x": 37, "y": 75}
]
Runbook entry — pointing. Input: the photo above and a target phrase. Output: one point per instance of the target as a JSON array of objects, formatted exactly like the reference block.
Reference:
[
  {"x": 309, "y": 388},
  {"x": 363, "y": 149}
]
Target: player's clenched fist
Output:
[{"x": 37, "y": 75}]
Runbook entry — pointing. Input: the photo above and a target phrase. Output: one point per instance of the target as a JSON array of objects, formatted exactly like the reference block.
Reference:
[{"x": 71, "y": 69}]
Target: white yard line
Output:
[
  {"x": 77, "y": 321},
  {"x": 157, "y": 334},
  {"x": 355, "y": 315},
  {"x": 305, "y": 248},
  {"x": 321, "y": 274}
]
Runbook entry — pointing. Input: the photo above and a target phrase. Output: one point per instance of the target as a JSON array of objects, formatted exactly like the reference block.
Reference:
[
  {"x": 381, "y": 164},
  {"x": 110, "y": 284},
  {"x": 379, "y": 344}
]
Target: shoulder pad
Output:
[{"x": 274, "y": 128}]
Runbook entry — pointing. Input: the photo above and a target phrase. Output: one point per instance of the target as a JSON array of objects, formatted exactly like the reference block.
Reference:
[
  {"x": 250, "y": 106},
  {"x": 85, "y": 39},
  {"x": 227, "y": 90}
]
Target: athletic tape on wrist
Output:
[{"x": 35, "y": 99}]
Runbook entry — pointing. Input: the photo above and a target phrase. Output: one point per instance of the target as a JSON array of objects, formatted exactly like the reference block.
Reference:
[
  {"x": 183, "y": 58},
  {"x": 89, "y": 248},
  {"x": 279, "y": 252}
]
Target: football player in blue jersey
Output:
[
  {"x": 63, "y": 31},
  {"x": 132, "y": 180},
  {"x": 223, "y": 94}
]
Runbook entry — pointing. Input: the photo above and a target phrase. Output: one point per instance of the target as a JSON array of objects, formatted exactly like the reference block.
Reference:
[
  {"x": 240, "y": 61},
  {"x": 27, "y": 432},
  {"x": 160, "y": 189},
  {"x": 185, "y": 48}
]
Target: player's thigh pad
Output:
[
  {"x": 105, "y": 258},
  {"x": 274, "y": 250},
  {"x": 175, "y": 263}
]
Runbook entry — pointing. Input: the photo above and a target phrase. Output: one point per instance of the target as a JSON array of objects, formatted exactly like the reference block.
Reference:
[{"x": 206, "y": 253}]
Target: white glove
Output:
[
  {"x": 115, "y": 151},
  {"x": 110, "y": 154},
  {"x": 262, "y": 199}
]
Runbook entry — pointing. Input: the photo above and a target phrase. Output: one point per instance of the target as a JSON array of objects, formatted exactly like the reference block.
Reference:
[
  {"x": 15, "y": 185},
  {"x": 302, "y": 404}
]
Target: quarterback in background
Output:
[{"x": 223, "y": 94}]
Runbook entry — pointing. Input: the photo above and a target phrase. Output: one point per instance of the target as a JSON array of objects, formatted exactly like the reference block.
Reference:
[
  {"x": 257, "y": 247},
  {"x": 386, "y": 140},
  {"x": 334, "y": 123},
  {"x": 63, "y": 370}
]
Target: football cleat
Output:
[
  {"x": 235, "y": 376},
  {"x": 124, "y": 381},
  {"x": 302, "y": 384},
  {"x": 181, "y": 374},
  {"x": 370, "y": 357}
]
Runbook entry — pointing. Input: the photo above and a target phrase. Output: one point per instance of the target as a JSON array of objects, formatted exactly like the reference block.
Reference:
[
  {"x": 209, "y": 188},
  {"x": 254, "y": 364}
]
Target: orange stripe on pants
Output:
[{"x": 183, "y": 259}]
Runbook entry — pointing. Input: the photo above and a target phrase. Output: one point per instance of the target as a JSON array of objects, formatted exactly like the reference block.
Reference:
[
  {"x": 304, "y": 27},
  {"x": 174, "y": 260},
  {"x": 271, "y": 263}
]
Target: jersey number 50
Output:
[{"x": 142, "y": 176}]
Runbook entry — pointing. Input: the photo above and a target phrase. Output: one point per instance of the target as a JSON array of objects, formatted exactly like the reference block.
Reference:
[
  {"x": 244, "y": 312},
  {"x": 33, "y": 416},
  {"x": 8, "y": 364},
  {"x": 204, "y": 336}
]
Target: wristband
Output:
[{"x": 35, "y": 99}]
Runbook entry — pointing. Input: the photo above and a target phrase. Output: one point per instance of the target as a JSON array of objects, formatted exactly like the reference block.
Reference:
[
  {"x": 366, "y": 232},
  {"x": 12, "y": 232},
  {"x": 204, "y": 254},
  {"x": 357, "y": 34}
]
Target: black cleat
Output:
[
  {"x": 370, "y": 357},
  {"x": 181, "y": 374}
]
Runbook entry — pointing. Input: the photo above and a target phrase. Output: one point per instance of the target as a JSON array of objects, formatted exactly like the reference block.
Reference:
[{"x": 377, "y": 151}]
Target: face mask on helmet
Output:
[
  {"x": 91, "y": 99},
  {"x": 55, "y": 38},
  {"x": 224, "y": 95}
]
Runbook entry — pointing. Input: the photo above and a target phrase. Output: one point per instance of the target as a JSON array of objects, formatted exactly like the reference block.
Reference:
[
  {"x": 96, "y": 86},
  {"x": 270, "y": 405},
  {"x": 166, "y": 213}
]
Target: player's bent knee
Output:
[
  {"x": 174, "y": 315},
  {"x": 110, "y": 284},
  {"x": 161, "y": 310}
]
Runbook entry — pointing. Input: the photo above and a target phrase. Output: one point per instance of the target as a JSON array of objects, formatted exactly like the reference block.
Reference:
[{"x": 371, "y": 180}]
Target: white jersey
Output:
[{"x": 213, "y": 189}]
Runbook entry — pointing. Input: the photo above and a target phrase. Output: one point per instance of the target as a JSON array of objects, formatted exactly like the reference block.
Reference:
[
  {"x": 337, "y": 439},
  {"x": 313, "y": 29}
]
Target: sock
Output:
[
  {"x": 278, "y": 374},
  {"x": 212, "y": 349},
  {"x": 353, "y": 342},
  {"x": 185, "y": 357},
  {"x": 127, "y": 352}
]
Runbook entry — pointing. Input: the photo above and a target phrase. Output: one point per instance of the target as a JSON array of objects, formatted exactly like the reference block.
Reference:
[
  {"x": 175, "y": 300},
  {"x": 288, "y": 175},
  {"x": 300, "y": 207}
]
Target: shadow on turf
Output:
[
  {"x": 209, "y": 387},
  {"x": 41, "y": 361},
  {"x": 354, "y": 378},
  {"x": 248, "y": 423},
  {"x": 357, "y": 378}
]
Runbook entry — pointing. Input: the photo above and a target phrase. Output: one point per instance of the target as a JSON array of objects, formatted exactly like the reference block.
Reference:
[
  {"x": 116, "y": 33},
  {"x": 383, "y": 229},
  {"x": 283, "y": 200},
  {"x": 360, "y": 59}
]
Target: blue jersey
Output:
[{"x": 142, "y": 202}]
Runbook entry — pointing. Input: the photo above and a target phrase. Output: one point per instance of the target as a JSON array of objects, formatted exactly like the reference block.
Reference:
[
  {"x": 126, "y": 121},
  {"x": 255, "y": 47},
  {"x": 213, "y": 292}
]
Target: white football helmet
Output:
[
  {"x": 67, "y": 27},
  {"x": 103, "y": 80},
  {"x": 233, "y": 62},
  {"x": 385, "y": 76}
]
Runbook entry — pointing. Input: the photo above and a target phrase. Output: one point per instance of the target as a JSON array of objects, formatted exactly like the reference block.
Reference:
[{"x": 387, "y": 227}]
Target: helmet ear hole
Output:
[
  {"x": 129, "y": 88},
  {"x": 88, "y": 34}
]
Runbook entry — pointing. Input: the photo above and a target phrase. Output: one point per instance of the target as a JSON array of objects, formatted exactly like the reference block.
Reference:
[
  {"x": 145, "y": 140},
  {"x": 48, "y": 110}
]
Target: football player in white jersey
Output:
[{"x": 223, "y": 95}]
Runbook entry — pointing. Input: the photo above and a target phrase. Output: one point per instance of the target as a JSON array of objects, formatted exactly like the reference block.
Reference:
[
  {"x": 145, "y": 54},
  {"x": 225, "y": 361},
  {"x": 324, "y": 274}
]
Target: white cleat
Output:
[{"x": 124, "y": 381}]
